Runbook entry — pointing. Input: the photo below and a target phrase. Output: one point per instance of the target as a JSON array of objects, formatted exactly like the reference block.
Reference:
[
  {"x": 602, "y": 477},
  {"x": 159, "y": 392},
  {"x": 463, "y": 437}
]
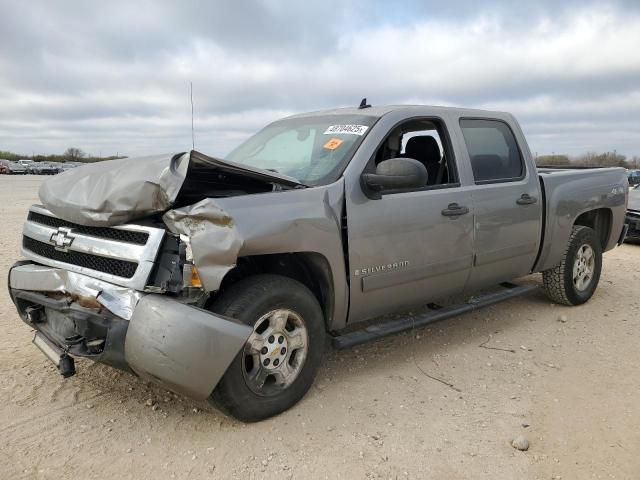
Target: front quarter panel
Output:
[{"x": 300, "y": 220}]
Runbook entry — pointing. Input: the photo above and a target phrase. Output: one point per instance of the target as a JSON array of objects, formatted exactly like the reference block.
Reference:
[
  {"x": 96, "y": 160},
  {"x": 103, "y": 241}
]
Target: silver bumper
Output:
[
  {"x": 39, "y": 278},
  {"x": 184, "y": 348}
]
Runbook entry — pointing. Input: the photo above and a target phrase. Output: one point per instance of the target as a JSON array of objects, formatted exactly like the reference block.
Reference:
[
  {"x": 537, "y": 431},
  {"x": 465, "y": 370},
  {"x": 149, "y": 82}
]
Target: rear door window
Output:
[{"x": 493, "y": 151}]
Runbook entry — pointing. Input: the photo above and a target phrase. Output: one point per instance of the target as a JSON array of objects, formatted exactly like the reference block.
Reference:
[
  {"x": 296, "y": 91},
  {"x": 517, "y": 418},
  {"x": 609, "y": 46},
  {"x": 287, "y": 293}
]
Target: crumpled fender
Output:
[
  {"x": 305, "y": 220},
  {"x": 215, "y": 239}
]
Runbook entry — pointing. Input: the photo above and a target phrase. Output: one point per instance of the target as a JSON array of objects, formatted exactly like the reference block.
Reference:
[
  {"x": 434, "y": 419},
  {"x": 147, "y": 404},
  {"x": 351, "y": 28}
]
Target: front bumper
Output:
[{"x": 159, "y": 338}]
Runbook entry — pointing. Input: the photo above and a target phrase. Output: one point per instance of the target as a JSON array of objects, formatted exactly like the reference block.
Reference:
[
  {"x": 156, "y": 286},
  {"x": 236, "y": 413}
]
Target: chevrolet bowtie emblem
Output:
[{"x": 62, "y": 239}]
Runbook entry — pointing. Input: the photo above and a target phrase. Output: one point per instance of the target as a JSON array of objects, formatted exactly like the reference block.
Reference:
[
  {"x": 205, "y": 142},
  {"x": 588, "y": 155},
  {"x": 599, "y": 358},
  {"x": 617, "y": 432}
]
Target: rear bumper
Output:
[{"x": 176, "y": 345}]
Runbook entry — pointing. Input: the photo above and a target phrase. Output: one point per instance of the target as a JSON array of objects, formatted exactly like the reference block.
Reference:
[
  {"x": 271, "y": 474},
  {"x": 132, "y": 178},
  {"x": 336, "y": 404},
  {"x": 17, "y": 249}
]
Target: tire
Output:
[
  {"x": 561, "y": 284},
  {"x": 268, "y": 299}
]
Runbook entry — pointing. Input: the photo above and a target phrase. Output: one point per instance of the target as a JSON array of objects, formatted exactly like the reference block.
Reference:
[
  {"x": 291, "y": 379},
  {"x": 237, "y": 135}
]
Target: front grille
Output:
[
  {"x": 137, "y": 238},
  {"x": 112, "y": 266}
]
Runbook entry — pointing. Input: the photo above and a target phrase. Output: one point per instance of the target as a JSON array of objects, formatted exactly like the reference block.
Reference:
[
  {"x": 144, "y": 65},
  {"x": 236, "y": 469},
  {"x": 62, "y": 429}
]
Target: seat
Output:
[{"x": 426, "y": 150}]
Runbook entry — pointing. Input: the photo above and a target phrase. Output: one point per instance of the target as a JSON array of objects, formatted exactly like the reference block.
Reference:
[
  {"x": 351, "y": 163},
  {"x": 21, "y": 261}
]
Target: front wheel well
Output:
[
  {"x": 309, "y": 268},
  {"x": 600, "y": 221}
]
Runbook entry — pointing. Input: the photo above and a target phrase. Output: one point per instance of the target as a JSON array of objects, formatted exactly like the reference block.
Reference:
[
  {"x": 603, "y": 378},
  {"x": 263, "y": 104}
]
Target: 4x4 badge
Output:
[{"x": 62, "y": 239}]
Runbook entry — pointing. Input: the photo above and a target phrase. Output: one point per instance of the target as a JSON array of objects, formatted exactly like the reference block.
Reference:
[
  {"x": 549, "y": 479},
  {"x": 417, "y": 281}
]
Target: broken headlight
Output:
[
  {"x": 190, "y": 275},
  {"x": 174, "y": 270}
]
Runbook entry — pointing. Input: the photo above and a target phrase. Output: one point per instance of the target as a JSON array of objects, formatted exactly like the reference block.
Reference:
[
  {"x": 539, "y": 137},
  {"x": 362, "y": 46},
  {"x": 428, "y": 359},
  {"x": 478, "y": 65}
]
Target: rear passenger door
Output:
[{"x": 506, "y": 202}]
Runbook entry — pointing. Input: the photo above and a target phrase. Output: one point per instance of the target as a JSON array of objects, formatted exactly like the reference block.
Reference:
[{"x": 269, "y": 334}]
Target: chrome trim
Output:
[
  {"x": 143, "y": 255},
  {"x": 91, "y": 245},
  {"x": 40, "y": 278}
]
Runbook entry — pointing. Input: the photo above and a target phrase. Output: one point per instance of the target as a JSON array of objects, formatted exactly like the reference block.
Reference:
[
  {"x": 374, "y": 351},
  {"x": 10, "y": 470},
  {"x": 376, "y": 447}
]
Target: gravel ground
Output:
[{"x": 567, "y": 380}]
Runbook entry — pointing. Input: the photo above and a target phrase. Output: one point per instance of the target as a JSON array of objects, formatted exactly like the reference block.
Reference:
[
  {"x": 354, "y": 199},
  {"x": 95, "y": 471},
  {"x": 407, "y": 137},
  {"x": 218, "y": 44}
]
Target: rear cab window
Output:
[{"x": 493, "y": 151}]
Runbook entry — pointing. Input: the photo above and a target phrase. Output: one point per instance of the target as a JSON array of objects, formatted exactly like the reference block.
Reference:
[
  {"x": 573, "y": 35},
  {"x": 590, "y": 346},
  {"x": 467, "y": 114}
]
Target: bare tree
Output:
[{"x": 74, "y": 154}]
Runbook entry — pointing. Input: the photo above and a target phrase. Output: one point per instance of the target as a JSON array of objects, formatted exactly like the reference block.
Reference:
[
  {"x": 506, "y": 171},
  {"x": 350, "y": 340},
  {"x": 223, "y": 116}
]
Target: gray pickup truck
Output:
[{"x": 224, "y": 279}]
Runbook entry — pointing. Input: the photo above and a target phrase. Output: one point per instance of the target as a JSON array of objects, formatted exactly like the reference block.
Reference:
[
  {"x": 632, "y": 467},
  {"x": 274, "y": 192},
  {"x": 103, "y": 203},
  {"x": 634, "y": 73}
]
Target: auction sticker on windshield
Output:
[
  {"x": 346, "y": 130},
  {"x": 333, "y": 144}
]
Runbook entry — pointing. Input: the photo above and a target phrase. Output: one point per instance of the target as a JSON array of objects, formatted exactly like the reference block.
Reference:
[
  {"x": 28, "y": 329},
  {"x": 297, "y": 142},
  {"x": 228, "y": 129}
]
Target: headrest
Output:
[
  {"x": 394, "y": 143},
  {"x": 423, "y": 148}
]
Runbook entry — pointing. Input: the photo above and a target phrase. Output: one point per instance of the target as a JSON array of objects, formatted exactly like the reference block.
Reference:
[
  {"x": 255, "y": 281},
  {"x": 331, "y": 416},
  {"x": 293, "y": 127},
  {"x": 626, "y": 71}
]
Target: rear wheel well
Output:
[
  {"x": 309, "y": 268},
  {"x": 600, "y": 221}
]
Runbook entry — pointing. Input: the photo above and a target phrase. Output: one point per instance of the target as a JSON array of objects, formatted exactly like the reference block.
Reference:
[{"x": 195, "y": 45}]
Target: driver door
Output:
[{"x": 411, "y": 247}]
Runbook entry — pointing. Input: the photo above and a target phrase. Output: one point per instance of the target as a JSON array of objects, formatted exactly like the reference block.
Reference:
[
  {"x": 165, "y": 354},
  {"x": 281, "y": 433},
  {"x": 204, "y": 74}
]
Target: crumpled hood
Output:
[
  {"x": 634, "y": 200},
  {"x": 119, "y": 191},
  {"x": 116, "y": 191}
]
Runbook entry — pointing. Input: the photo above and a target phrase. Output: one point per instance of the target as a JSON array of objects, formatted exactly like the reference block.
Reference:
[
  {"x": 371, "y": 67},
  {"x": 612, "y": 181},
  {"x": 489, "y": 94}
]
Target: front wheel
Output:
[
  {"x": 575, "y": 278},
  {"x": 280, "y": 359}
]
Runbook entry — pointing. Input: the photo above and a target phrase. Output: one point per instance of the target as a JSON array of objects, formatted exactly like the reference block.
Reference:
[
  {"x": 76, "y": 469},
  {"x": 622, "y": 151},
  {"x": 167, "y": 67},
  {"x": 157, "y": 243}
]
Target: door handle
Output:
[
  {"x": 453, "y": 210},
  {"x": 526, "y": 199}
]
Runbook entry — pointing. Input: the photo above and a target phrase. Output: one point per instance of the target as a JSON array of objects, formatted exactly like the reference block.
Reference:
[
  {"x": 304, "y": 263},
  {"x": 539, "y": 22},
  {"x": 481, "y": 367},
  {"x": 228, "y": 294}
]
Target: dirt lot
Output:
[{"x": 571, "y": 387}]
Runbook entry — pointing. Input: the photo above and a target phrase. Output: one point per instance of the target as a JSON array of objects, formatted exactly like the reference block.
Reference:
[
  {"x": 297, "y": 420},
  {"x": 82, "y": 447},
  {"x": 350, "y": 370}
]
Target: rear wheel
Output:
[
  {"x": 575, "y": 278},
  {"x": 280, "y": 359}
]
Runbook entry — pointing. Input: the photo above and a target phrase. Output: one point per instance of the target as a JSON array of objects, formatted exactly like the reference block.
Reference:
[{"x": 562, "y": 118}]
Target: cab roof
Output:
[{"x": 411, "y": 110}]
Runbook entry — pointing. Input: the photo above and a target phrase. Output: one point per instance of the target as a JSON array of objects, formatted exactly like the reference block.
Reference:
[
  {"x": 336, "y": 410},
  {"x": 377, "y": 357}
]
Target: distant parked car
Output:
[
  {"x": 633, "y": 215},
  {"x": 69, "y": 165},
  {"x": 17, "y": 168},
  {"x": 56, "y": 167},
  {"x": 25, "y": 162},
  {"x": 33, "y": 168},
  {"x": 4, "y": 167},
  {"x": 43, "y": 168},
  {"x": 634, "y": 177}
]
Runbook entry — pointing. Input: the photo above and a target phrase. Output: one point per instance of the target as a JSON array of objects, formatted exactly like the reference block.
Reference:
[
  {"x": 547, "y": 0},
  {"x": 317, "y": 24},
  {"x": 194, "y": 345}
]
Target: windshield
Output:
[{"x": 312, "y": 150}]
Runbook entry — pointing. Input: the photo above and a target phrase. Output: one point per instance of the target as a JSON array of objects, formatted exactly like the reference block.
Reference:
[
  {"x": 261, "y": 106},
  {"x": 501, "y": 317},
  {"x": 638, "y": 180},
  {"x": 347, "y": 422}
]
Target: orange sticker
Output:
[{"x": 333, "y": 144}]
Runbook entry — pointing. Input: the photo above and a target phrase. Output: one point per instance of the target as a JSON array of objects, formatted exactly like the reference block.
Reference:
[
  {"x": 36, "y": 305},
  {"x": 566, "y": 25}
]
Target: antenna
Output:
[
  {"x": 364, "y": 104},
  {"x": 193, "y": 138}
]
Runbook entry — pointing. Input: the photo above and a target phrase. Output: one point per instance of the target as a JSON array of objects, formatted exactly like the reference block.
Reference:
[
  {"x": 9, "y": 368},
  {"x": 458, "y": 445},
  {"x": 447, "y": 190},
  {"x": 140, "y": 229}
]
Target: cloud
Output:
[{"x": 114, "y": 76}]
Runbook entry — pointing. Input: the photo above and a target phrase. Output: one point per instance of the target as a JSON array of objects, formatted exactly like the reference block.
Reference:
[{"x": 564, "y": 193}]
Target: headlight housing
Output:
[
  {"x": 174, "y": 270},
  {"x": 190, "y": 275}
]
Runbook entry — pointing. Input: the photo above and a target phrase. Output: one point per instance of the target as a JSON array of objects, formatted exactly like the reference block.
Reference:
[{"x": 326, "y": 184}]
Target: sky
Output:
[{"x": 113, "y": 77}]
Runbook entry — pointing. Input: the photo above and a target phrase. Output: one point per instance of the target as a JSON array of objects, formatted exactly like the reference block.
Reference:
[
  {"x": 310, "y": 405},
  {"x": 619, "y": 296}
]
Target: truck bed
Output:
[{"x": 567, "y": 194}]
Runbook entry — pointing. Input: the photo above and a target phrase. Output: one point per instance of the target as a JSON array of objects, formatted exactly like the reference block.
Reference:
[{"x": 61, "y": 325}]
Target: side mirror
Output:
[{"x": 394, "y": 174}]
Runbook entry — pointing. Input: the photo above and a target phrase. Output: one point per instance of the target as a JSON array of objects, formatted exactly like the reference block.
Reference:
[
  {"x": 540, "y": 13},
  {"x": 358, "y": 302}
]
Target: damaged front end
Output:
[
  {"x": 161, "y": 338},
  {"x": 129, "y": 296},
  {"x": 123, "y": 255}
]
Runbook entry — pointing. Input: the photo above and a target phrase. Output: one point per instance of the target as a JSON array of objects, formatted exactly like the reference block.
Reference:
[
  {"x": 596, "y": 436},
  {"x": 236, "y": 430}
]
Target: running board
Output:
[{"x": 391, "y": 327}]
